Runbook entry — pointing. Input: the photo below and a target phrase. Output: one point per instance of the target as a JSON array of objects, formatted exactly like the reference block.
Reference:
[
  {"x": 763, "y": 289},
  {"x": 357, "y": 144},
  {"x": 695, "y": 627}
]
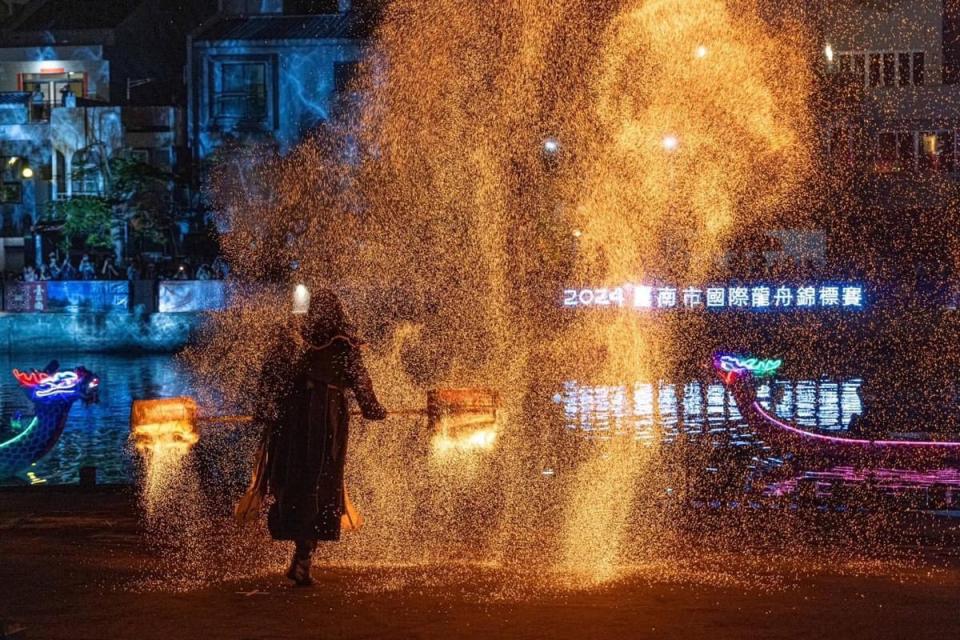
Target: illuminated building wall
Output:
[
  {"x": 123, "y": 63},
  {"x": 31, "y": 134},
  {"x": 902, "y": 56},
  {"x": 270, "y": 78}
]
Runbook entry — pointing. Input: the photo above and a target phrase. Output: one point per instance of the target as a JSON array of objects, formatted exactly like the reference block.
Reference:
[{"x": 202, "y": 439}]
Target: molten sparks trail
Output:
[{"x": 163, "y": 431}]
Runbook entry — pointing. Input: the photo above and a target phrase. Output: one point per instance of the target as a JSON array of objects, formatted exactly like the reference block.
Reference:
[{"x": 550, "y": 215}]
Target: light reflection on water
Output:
[
  {"x": 98, "y": 435},
  {"x": 645, "y": 408},
  {"x": 95, "y": 435},
  {"x": 651, "y": 410}
]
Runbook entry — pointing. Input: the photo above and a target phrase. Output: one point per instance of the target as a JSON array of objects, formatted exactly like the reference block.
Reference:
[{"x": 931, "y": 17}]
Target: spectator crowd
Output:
[{"x": 108, "y": 269}]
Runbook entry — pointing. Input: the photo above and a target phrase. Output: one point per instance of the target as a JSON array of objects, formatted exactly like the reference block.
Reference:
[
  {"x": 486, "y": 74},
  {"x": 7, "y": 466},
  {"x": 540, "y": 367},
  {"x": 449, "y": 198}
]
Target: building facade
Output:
[
  {"x": 894, "y": 66},
  {"x": 83, "y": 83},
  {"x": 271, "y": 71}
]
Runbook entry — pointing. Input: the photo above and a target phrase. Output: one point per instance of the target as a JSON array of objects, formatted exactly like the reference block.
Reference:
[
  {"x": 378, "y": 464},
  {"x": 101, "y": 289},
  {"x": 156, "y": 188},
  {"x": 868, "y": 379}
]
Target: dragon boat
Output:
[
  {"x": 53, "y": 393},
  {"x": 741, "y": 375}
]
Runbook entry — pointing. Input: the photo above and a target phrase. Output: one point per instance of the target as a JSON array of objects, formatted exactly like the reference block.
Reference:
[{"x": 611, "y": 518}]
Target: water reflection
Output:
[
  {"x": 642, "y": 408},
  {"x": 646, "y": 410},
  {"x": 98, "y": 435},
  {"x": 95, "y": 435}
]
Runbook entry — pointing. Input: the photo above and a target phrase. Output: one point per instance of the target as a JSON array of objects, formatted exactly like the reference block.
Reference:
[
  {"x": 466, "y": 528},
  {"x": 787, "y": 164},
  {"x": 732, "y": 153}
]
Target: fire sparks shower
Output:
[{"x": 495, "y": 151}]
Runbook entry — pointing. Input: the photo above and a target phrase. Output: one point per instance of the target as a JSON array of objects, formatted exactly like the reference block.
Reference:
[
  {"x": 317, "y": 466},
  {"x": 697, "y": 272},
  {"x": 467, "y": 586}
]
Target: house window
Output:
[
  {"x": 881, "y": 68},
  {"x": 51, "y": 86},
  {"x": 918, "y": 68},
  {"x": 241, "y": 92},
  {"x": 86, "y": 174},
  {"x": 859, "y": 65},
  {"x": 844, "y": 63},
  {"x": 937, "y": 151},
  {"x": 874, "y": 69},
  {"x": 895, "y": 151},
  {"x": 903, "y": 68},
  {"x": 11, "y": 193},
  {"x": 889, "y": 69}
]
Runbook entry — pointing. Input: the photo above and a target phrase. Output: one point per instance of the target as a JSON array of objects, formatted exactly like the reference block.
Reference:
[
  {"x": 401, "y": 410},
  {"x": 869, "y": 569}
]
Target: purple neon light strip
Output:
[{"x": 851, "y": 441}]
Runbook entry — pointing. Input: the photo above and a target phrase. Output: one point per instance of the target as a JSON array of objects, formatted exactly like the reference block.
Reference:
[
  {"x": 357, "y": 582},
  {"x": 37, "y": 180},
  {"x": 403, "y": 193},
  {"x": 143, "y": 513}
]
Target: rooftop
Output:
[
  {"x": 277, "y": 27},
  {"x": 75, "y": 15}
]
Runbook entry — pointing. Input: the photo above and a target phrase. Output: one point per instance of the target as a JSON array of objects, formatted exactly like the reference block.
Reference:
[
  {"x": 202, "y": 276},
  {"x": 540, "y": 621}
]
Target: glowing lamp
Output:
[
  {"x": 670, "y": 143},
  {"x": 301, "y": 300},
  {"x": 701, "y": 52},
  {"x": 167, "y": 425},
  {"x": 828, "y": 52},
  {"x": 27, "y": 173},
  {"x": 577, "y": 233},
  {"x": 12, "y": 161},
  {"x": 551, "y": 145}
]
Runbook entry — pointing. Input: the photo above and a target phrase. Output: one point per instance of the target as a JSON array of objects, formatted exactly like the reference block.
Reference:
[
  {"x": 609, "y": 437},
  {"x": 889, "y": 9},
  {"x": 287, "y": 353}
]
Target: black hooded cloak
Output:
[{"x": 309, "y": 426}]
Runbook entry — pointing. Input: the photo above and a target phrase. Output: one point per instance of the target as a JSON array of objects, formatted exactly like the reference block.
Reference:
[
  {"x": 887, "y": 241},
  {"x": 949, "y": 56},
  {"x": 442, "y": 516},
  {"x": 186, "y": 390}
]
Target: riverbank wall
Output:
[{"x": 101, "y": 332}]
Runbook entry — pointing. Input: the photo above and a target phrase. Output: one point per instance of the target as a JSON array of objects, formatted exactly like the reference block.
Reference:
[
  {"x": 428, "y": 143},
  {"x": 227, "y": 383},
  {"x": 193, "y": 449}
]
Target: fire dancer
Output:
[{"x": 308, "y": 428}]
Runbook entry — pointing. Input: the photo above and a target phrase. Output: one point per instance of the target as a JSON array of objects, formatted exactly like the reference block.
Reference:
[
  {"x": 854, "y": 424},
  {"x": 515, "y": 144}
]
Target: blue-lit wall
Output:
[{"x": 300, "y": 82}]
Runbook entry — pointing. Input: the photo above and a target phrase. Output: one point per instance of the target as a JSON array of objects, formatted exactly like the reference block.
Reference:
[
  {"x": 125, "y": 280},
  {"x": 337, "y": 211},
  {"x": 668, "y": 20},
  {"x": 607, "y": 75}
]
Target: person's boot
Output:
[{"x": 299, "y": 570}]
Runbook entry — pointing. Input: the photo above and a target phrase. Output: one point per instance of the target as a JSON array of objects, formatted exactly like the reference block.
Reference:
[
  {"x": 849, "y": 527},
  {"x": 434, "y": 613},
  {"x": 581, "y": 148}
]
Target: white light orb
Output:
[
  {"x": 701, "y": 51},
  {"x": 670, "y": 143},
  {"x": 301, "y": 300}
]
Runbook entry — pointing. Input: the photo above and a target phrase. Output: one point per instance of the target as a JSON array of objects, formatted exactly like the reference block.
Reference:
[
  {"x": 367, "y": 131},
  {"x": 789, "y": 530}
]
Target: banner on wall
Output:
[
  {"x": 70, "y": 296},
  {"x": 88, "y": 295},
  {"x": 191, "y": 296},
  {"x": 25, "y": 297}
]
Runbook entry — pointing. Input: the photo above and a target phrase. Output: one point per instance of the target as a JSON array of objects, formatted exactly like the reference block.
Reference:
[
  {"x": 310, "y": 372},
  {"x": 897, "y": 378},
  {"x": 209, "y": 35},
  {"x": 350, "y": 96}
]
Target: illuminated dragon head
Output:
[
  {"x": 733, "y": 367},
  {"x": 52, "y": 385}
]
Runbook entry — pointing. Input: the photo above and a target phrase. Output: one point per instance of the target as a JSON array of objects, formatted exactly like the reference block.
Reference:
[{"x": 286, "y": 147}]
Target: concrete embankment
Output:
[{"x": 104, "y": 332}]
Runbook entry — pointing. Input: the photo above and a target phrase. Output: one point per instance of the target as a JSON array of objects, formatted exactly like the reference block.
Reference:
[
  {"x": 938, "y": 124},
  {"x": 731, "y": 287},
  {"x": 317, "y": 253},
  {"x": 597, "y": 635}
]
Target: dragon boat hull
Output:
[
  {"x": 53, "y": 393},
  {"x": 20, "y": 452},
  {"x": 832, "y": 449}
]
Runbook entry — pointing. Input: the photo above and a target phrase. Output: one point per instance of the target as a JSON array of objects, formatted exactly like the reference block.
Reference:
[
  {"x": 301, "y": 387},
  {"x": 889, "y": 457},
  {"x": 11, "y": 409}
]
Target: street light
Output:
[
  {"x": 551, "y": 145},
  {"x": 702, "y": 51},
  {"x": 670, "y": 143},
  {"x": 27, "y": 172},
  {"x": 828, "y": 52}
]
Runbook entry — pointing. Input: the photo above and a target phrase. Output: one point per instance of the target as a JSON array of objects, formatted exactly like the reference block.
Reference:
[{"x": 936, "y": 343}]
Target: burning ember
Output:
[
  {"x": 478, "y": 440},
  {"x": 463, "y": 420},
  {"x": 163, "y": 426}
]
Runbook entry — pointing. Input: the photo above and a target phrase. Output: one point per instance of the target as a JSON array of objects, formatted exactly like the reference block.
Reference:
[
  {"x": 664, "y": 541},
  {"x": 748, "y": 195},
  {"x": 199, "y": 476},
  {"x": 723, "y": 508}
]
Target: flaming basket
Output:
[
  {"x": 463, "y": 419},
  {"x": 167, "y": 424}
]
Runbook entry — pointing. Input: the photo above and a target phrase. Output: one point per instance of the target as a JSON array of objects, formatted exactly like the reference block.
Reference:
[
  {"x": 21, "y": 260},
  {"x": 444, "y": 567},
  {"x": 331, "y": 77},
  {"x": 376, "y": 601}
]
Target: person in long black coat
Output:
[{"x": 309, "y": 427}]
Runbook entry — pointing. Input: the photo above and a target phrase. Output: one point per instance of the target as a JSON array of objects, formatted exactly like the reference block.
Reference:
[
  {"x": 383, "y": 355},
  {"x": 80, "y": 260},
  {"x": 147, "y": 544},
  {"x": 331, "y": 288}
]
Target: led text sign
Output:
[{"x": 756, "y": 297}]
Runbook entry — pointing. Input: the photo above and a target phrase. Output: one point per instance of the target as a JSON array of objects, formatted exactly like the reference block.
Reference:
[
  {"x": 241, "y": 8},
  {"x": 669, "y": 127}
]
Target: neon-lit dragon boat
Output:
[
  {"x": 53, "y": 393},
  {"x": 740, "y": 375}
]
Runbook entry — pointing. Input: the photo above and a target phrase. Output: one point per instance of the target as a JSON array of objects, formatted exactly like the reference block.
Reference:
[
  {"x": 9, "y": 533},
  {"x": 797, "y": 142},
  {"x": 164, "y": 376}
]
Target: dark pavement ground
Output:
[{"x": 70, "y": 563}]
